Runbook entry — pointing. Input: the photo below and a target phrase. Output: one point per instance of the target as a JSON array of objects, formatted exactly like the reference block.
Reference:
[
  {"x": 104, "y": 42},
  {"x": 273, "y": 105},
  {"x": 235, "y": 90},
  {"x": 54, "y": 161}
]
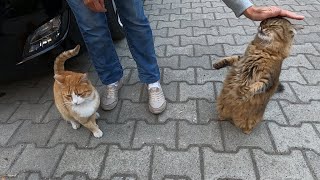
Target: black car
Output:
[{"x": 34, "y": 31}]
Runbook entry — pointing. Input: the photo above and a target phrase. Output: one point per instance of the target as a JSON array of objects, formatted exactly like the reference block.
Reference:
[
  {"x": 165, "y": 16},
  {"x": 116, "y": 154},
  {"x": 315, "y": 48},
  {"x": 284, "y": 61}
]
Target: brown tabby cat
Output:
[
  {"x": 254, "y": 77},
  {"x": 75, "y": 97}
]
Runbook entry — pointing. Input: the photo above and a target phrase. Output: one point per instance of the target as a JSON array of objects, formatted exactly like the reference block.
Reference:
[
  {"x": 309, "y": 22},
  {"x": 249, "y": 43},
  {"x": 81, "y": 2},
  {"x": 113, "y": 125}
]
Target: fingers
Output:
[
  {"x": 291, "y": 15},
  {"x": 260, "y": 13},
  {"x": 95, "y": 5}
]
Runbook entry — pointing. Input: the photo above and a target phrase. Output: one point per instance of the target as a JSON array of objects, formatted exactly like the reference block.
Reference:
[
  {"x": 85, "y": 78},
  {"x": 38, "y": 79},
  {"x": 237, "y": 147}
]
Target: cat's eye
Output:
[{"x": 68, "y": 96}]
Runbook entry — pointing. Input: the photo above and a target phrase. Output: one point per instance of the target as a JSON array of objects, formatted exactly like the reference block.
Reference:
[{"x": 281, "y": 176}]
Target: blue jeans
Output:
[{"x": 95, "y": 32}]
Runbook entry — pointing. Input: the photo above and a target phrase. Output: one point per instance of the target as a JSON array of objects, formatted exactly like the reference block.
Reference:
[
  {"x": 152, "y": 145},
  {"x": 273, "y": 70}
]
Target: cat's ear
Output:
[
  {"x": 84, "y": 77},
  {"x": 59, "y": 78}
]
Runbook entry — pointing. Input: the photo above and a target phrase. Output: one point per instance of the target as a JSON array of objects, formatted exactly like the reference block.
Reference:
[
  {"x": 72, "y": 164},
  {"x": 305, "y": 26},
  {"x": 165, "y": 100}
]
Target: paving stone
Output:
[
  {"x": 174, "y": 41},
  {"x": 306, "y": 38},
  {"x": 225, "y": 15},
  {"x": 200, "y": 40},
  {"x": 191, "y": 10},
  {"x": 291, "y": 166},
  {"x": 110, "y": 116},
  {"x": 192, "y": 23},
  {"x": 306, "y": 93},
  {"x": 207, "y": 111},
  {"x": 182, "y": 163},
  {"x": 299, "y": 113},
  {"x": 114, "y": 134},
  {"x": 203, "y": 61},
  {"x": 131, "y": 92},
  {"x": 43, "y": 160},
  {"x": 66, "y": 134},
  {"x": 169, "y": 62},
  {"x": 180, "y": 5},
  {"x": 208, "y": 50},
  {"x": 127, "y": 162},
  {"x": 231, "y": 30},
  {"x": 235, "y": 139},
  {"x": 7, "y": 157},
  {"x": 170, "y": 75},
  {"x": 227, "y": 39},
  {"x": 241, "y": 22},
  {"x": 179, "y": 50},
  {"x": 135, "y": 111},
  {"x": 29, "y": 132},
  {"x": 52, "y": 114},
  {"x": 204, "y": 76},
  {"x": 34, "y": 176},
  {"x": 196, "y": 16},
  {"x": 287, "y": 94},
  {"x": 274, "y": 113},
  {"x": 314, "y": 161},
  {"x": 158, "y": 17},
  {"x": 81, "y": 160},
  {"x": 174, "y": 17},
  {"x": 207, "y": 134},
  {"x": 34, "y": 112},
  {"x": 292, "y": 75},
  {"x": 197, "y": 31},
  {"x": 306, "y": 48},
  {"x": 314, "y": 60},
  {"x": 177, "y": 31},
  {"x": 213, "y": 9},
  {"x": 201, "y": 4},
  {"x": 183, "y": 111},
  {"x": 243, "y": 39},
  {"x": 228, "y": 165},
  {"x": 170, "y": 11},
  {"x": 172, "y": 24},
  {"x": 295, "y": 137},
  {"x": 160, "y": 32},
  {"x": 7, "y": 110},
  {"x": 297, "y": 61},
  {"x": 26, "y": 94},
  {"x": 214, "y": 22},
  {"x": 234, "y": 49},
  {"x": 6, "y": 131},
  {"x": 312, "y": 76},
  {"x": 205, "y": 91},
  {"x": 155, "y": 134},
  {"x": 134, "y": 77}
]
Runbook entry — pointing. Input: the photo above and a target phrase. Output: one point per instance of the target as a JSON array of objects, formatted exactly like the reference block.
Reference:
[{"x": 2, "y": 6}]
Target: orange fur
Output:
[
  {"x": 254, "y": 77},
  {"x": 75, "y": 97}
]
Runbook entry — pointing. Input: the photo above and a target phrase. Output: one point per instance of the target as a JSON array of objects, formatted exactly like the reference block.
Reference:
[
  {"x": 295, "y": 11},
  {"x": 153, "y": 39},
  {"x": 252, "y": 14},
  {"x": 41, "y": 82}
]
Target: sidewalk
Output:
[{"x": 186, "y": 141}]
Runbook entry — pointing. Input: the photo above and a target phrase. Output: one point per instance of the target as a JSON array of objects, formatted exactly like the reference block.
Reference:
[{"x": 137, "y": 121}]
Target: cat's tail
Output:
[{"x": 59, "y": 62}]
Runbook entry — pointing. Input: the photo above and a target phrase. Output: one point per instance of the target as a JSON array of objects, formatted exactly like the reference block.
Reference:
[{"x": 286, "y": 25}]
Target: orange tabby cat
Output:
[
  {"x": 75, "y": 97},
  {"x": 254, "y": 77}
]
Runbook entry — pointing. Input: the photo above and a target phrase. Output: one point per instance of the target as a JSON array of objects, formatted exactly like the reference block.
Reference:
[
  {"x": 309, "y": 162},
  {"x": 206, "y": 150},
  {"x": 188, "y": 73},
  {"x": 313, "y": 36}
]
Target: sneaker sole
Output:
[{"x": 158, "y": 110}]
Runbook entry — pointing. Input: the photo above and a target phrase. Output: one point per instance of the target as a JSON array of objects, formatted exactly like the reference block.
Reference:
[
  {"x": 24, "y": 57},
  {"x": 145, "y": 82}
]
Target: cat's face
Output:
[{"x": 75, "y": 89}]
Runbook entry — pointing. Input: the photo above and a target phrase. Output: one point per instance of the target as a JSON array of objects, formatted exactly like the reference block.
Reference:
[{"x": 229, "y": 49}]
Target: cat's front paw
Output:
[
  {"x": 246, "y": 94},
  {"x": 75, "y": 125},
  {"x": 218, "y": 65},
  {"x": 98, "y": 133}
]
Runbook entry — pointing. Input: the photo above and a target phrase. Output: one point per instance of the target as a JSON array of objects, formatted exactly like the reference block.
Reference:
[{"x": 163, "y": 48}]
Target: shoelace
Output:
[
  {"x": 156, "y": 94},
  {"x": 111, "y": 91}
]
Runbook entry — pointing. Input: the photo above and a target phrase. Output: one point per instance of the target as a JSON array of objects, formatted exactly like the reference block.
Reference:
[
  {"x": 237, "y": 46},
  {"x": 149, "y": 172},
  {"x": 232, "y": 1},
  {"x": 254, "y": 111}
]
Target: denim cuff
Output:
[{"x": 238, "y": 6}]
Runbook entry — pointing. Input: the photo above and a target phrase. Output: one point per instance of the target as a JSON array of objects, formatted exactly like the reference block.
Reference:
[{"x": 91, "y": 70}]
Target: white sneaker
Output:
[
  {"x": 157, "y": 101},
  {"x": 109, "y": 97}
]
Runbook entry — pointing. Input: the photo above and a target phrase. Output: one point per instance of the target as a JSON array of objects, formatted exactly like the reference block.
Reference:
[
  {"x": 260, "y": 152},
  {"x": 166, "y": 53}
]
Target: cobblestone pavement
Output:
[{"x": 186, "y": 141}]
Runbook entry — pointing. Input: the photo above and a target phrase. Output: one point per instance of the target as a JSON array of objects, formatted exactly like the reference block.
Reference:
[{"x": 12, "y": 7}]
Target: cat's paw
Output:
[
  {"x": 97, "y": 115},
  {"x": 75, "y": 125},
  {"x": 217, "y": 65},
  {"x": 98, "y": 133}
]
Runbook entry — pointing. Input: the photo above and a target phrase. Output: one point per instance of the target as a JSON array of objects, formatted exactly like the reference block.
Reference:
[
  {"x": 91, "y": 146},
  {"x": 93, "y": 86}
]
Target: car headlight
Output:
[{"x": 45, "y": 34}]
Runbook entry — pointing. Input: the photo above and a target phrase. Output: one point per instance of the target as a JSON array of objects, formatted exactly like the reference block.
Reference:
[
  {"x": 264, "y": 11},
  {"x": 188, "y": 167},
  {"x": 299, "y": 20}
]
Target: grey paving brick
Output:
[
  {"x": 203, "y": 61},
  {"x": 287, "y": 94},
  {"x": 292, "y": 75},
  {"x": 43, "y": 160},
  {"x": 27, "y": 94},
  {"x": 127, "y": 162},
  {"x": 227, "y": 39},
  {"x": 168, "y": 40},
  {"x": 81, "y": 160},
  {"x": 213, "y": 9},
  {"x": 114, "y": 134},
  {"x": 310, "y": 29},
  {"x": 152, "y": 11},
  {"x": 161, "y": 6},
  {"x": 128, "y": 62},
  {"x": 110, "y": 116},
  {"x": 314, "y": 60},
  {"x": 208, "y": 50},
  {"x": 171, "y": 24},
  {"x": 123, "y": 52},
  {"x": 160, "y": 32},
  {"x": 313, "y": 20},
  {"x": 7, "y": 157},
  {"x": 298, "y": 113},
  {"x": 131, "y": 92},
  {"x": 234, "y": 49},
  {"x": 196, "y": 16},
  {"x": 205, "y": 91},
  {"x": 34, "y": 112},
  {"x": 231, "y": 30},
  {"x": 228, "y": 165},
  {"x": 158, "y": 18},
  {"x": 295, "y": 137},
  {"x": 197, "y": 31},
  {"x": 29, "y": 132},
  {"x": 183, "y": 111},
  {"x": 66, "y": 134},
  {"x": 52, "y": 114},
  {"x": 134, "y": 77},
  {"x": 225, "y": 15},
  {"x": 201, "y": 40},
  {"x": 307, "y": 38},
  {"x": 182, "y": 163},
  {"x": 47, "y": 96},
  {"x": 306, "y": 48},
  {"x": 207, "y": 111},
  {"x": 250, "y": 30},
  {"x": 274, "y": 113},
  {"x": 291, "y": 166},
  {"x": 170, "y": 11},
  {"x": 179, "y": 50},
  {"x": 192, "y": 23},
  {"x": 288, "y": 2},
  {"x": 234, "y": 138},
  {"x": 159, "y": 134},
  {"x": 297, "y": 61},
  {"x": 314, "y": 160},
  {"x": 207, "y": 134},
  {"x": 133, "y": 111},
  {"x": 243, "y": 39},
  {"x": 180, "y": 5},
  {"x": 241, "y": 22},
  {"x": 204, "y": 76},
  {"x": 171, "y": 62},
  {"x": 7, "y": 110},
  {"x": 170, "y": 75},
  {"x": 312, "y": 76},
  {"x": 177, "y": 31},
  {"x": 306, "y": 93},
  {"x": 34, "y": 176},
  {"x": 174, "y": 17},
  {"x": 216, "y": 23},
  {"x": 304, "y": 7},
  {"x": 6, "y": 131},
  {"x": 191, "y": 10}
]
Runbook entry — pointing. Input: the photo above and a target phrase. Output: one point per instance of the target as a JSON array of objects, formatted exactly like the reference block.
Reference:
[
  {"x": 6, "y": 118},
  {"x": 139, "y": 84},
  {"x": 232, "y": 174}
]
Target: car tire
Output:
[{"x": 115, "y": 25}]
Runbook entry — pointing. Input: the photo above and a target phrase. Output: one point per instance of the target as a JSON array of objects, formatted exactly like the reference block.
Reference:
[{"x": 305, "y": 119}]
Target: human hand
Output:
[
  {"x": 260, "y": 13},
  {"x": 95, "y": 5}
]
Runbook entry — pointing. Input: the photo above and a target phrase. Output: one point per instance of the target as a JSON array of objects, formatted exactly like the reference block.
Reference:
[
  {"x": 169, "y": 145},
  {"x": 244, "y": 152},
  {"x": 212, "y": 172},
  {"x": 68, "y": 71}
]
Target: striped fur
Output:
[{"x": 59, "y": 62}]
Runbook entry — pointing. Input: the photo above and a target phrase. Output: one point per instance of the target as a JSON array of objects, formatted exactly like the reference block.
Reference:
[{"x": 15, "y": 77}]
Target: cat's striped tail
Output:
[{"x": 59, "y": 62}]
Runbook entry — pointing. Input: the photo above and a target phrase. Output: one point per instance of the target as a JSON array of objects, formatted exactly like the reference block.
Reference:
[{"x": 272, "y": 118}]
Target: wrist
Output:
[{"x": 249, "y": 12}]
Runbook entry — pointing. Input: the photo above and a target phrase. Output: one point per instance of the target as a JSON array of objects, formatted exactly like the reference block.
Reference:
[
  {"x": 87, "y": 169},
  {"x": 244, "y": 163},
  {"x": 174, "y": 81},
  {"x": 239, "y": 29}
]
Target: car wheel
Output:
[{"x": 115, "y": 25}]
